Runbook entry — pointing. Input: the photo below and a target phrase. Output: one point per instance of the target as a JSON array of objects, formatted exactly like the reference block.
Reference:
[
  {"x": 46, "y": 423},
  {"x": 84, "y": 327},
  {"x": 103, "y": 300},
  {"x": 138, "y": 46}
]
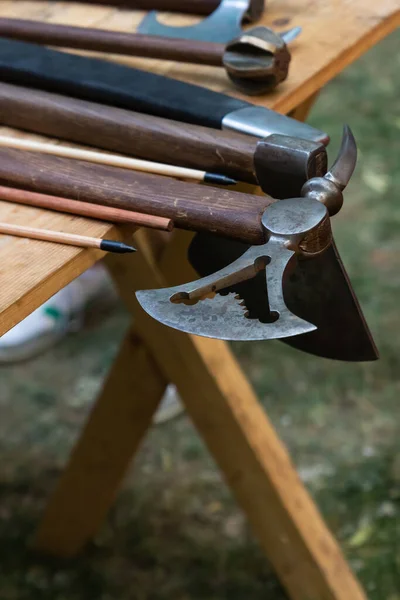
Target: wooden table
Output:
[{"x": 215, "y": 392}]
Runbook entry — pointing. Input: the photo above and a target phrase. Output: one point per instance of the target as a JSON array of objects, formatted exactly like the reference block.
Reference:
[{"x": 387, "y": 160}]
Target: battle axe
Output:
[{"x": 297, "y": 232}]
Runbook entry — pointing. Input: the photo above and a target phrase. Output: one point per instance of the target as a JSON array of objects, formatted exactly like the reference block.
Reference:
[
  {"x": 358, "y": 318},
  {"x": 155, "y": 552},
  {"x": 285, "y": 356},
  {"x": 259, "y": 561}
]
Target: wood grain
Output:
[
  {"x": 195, "y": 7},
  {"x": 32, "y": 271},
  {"x": 84, "y": 209},
  {"x": 105, "y": 158},
  {"x": 128, "y": 132},
  {"x": 334, "y": 34},
  {"x": 49, "y": 235},
  {"x": 228, "y": 213},
  {"x": 103, "y": 40}
]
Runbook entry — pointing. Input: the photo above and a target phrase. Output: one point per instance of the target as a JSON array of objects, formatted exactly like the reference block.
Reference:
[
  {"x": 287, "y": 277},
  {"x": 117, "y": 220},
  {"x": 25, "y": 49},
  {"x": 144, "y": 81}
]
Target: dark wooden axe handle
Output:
[
  {"x": 195, "y": 7},
  {"x": 191, "y": 206},
  {"x": 102, "y": 40},
  {"x": 128, "y": 132}
]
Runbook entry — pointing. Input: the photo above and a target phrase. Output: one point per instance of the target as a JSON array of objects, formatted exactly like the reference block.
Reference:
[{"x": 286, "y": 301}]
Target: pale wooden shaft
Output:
[
  {"x": 59, "y": 237},
  {"x": 112, "y": 160}
]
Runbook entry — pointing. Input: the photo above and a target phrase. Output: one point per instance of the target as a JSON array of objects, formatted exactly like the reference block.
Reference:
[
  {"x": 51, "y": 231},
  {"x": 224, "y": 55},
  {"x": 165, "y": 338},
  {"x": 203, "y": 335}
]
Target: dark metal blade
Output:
[{"x": 318, "y": 290}]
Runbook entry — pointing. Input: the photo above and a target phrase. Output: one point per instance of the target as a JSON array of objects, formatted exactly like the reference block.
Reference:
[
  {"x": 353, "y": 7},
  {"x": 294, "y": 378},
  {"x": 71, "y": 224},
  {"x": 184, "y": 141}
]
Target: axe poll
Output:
[
  {"x": 109, "y": 83},
  {"x": 287, "y": 162},
  {"x": 256, "y": 61}
]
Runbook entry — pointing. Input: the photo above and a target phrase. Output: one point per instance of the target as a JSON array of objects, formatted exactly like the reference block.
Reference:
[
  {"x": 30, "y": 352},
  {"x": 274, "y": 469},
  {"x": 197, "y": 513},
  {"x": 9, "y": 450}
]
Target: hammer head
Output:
[{"x": 257, "y": 61}]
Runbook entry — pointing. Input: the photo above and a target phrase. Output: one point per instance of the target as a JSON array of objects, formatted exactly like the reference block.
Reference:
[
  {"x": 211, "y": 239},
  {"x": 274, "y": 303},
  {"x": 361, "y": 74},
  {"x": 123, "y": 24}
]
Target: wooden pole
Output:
[
  {"x": 84, "y": 209},
  {"x": 113, "y": 160},
  {"x": 116, "y": 42},
  {"x": 71, "y": 239},
  {"x": 128, "y": 132}
]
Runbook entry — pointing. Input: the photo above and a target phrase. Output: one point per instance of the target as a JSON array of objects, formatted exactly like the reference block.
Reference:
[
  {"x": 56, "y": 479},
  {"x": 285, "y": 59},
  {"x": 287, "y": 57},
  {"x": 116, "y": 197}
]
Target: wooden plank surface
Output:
[{"x": 335, "y": 33}]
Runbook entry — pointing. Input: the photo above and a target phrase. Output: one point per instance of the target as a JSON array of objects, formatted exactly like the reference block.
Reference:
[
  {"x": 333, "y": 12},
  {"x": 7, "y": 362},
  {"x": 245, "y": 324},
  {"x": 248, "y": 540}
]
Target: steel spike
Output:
[{"x": 345, "y": 163}]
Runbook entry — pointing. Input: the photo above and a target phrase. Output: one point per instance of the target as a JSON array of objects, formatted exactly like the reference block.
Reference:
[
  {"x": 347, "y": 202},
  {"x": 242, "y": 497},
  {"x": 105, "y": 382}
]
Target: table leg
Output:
[
  {"x": 114, "y": 430},
  {"x": 255, "y": 463},
  {"x": 223, "y": 406}
]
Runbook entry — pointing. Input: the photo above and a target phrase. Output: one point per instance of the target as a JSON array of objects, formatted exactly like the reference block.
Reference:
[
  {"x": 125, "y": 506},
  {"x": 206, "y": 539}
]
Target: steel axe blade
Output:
[
  {"x": 198, "y": 308},
  {"x": 318, "y": 290}
]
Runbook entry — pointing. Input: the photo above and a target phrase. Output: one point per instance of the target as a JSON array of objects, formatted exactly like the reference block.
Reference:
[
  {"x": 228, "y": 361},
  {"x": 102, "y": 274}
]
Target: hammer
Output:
[{"x": 256, "y": 61}]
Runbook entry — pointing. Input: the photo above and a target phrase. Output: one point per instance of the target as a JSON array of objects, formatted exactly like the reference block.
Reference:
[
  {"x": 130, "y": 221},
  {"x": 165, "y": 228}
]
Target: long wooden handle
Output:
[
  {"x": 190, "y": 206},
  {"x": 59, "y": 237},
  {"x": 128, "y": 132},
  {"x": 84, "y": 209},
  {"x": 102, "y": 40},
  {"x": 195, "y": 7}
]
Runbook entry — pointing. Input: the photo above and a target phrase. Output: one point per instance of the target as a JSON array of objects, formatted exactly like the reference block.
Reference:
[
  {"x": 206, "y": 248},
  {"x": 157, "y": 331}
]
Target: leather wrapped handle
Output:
[
  {"x": 112, "y": 84},
  {"x": 191, "y": 206}
]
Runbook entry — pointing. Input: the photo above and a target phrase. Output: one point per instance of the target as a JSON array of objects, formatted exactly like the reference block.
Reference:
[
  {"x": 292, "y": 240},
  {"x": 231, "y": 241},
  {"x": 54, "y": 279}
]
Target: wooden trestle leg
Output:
[
  {"x": 115, "y": 428},
  {"x": 223, "y": 406}
]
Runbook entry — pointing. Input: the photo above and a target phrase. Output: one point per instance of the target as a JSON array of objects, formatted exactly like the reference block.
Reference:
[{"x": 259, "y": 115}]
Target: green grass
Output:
[{"x": 175, "y": 532}]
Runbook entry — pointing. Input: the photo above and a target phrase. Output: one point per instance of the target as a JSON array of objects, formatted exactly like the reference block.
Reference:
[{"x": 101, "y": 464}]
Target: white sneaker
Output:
[
  {"x": 170, "y": 406},
  {"x": 49, "y": 323},
  {"x": 64, "y": 313}
]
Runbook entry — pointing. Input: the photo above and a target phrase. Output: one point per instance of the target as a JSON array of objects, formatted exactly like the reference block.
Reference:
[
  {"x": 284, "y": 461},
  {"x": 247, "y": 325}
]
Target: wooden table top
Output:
[{"x": 334, "y": 34}]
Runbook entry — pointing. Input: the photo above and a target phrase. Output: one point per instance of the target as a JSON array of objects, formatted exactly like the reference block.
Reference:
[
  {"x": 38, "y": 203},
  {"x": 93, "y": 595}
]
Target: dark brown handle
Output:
[
  {"x": 190, "y": 206},
  {"x": 135, "y": 134},
  {"x": 195, "y": 7},
  {"x": 101, "y": 40}
]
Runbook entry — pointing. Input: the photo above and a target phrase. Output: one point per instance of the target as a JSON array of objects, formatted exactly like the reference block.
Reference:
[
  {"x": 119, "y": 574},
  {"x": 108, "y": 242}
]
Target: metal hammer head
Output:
[
  {"x": 283, "y": 164},
  {"x": 258, "y": 60},
  {"x": 223, "y": 25}
]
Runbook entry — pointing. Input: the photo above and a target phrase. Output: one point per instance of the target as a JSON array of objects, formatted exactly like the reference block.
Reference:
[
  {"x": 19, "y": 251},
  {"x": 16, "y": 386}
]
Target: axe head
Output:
[
  {"x": 222, "y": 317},
  {"x": 198, "y": 307},
  {"x": 318, "y": 291}
]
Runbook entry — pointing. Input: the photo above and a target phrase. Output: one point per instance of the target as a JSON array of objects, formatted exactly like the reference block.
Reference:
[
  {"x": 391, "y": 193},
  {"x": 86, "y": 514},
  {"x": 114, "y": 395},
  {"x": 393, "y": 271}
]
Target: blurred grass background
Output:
[{"x": 175, "y": 531}]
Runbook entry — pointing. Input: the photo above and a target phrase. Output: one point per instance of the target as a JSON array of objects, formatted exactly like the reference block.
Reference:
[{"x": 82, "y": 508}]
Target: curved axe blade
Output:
[
  {"x": 318, "y": 290},
  {"x": 288, "y": 226},
  {"x": 225, "y": 316}
]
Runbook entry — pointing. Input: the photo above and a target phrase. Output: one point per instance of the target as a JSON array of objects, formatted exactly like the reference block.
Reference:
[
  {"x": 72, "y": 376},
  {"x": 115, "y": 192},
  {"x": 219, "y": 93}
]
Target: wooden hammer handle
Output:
[
  {"x": 190, "y": 206},
  {"x": 102, "y": 40},
  {"x": 195, "y": 7},
  {"x": 128, "y": 132}
]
